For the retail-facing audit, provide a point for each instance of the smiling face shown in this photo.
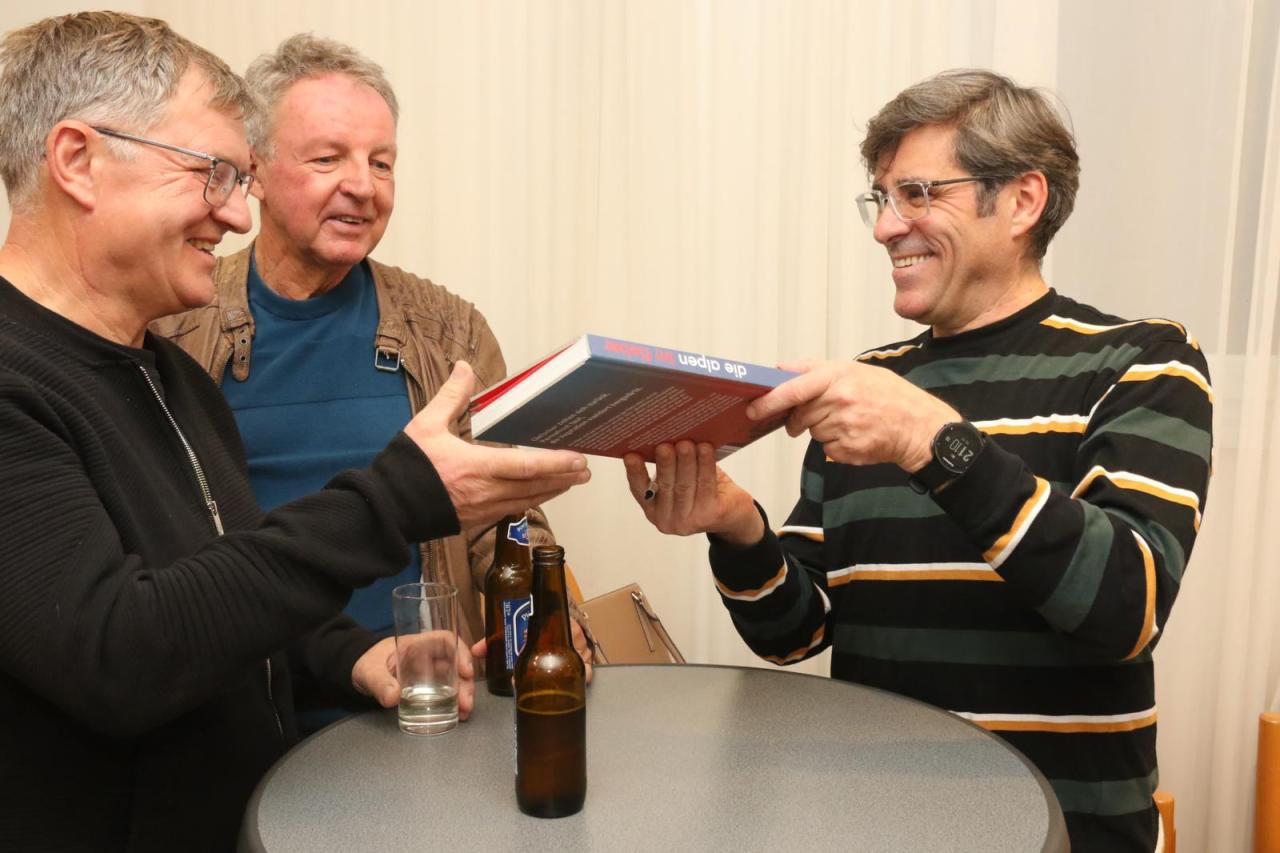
(328, 187)
(951, 266)
(153, 230)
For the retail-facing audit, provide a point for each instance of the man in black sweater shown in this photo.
(995, 515)
(146, 602)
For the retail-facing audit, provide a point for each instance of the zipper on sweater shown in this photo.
(272, 699)
(209, 503)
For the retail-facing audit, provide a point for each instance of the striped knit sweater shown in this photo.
(1028, 595)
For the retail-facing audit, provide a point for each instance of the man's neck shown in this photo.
(289, 275)
(50, 270)
(1000, 301)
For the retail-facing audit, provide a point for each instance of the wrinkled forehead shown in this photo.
(195, 118)
(924, 153)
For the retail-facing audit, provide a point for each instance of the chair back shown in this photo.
(1266, 809)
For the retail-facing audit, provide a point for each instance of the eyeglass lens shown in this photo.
(909, 201)
(223, 179)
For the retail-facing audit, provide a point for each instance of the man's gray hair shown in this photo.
(1003, 130)
(103, 68)
(300, 57)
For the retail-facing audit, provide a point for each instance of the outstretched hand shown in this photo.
(691, 494)
(487, 483)
(860, 414)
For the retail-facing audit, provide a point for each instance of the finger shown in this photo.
(466, 698)
(590, 671)
(531, 463)
(706, 476)
(664, 479)
(788, 395)
(466, 664)
(383, 687)
(452, 399)
(580, 643)
(480, 648)
(638, 479)
(806, 417)
(686, 486)
(803, 365)
(494, 510)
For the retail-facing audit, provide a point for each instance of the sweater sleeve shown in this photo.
(776, 590)
(1101, 558)
(124, 646)
(322, 662)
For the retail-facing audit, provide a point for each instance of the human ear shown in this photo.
(255, 169)
(74, 161)
(1029, 194)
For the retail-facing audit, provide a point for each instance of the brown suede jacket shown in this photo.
(422, 330)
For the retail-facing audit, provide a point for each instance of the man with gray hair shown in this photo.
(995, 515)
(146, 600)
(320, 350)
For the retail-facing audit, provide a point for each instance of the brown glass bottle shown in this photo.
(507, 602)
(551, 701)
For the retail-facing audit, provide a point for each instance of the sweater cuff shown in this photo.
(330, 654)
(746, 568)
(423, 509)
(992, 490)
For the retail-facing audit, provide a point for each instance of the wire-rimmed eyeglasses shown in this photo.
(909, 200)
(223, 175)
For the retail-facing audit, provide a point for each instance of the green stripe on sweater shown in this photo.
(1009, 368)
(990, 648)
(1112, 797)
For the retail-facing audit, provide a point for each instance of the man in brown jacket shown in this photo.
(329, 351)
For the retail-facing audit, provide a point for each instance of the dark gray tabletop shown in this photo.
(678, 758)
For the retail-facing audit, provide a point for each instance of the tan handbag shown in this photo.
(622, 627)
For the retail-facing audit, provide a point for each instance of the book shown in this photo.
(610, 397)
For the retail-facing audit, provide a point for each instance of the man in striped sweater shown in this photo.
(995, 516)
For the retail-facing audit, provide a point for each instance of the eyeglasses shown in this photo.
(909, 200)
(223, 175)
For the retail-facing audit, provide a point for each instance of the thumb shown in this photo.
(453, 397)
(383, 686)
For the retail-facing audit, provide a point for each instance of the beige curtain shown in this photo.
(681, 172)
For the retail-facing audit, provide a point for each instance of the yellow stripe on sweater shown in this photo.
(1064, 723)
(913, 572)
(1003, 547)
(1037, 424)
(1083, 328)
(757, 593)
(799, 654)
(1146, 485)
(1149, 611)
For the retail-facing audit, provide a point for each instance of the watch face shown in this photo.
(956, 446)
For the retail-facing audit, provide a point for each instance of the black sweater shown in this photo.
(1028, 595)
(142, 688)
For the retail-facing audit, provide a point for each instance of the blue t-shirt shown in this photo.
(314, 404)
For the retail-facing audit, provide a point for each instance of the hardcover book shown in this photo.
(610, 397)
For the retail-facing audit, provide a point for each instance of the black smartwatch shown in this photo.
(955, 449)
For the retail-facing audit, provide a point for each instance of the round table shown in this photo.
(678, 757)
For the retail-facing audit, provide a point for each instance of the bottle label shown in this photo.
(515, 626)
(519, 532)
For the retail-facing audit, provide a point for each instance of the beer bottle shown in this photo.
(551, 701)
(507, 604)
